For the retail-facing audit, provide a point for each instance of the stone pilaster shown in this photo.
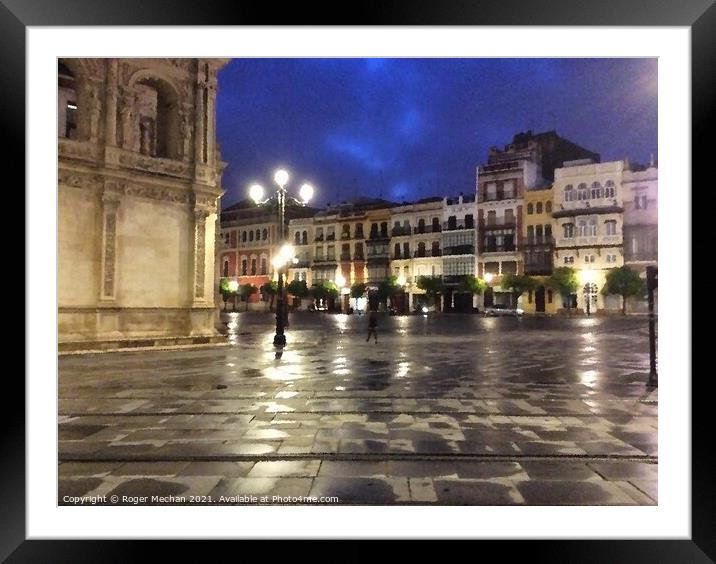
(111, 199)
(110, 121)
(199, 270)
(199, 123)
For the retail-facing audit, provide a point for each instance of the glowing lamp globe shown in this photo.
(256, 192)
(281, 177)
(306, 192)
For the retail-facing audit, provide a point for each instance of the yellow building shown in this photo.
(537, 248)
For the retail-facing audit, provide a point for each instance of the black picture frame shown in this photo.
(698, 15)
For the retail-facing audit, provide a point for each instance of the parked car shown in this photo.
(501, 310)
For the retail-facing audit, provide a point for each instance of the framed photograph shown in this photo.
(387, 278)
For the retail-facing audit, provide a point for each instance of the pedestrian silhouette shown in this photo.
(372, 327)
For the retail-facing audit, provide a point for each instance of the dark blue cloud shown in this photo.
(411, 128)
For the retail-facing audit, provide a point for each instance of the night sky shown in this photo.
(404, 129)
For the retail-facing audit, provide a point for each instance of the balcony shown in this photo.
(543, 267)
(497, 197)
(459, 250)
(345, 236)
(301, 264)
(345, 257)
(318, 238)
(457, 226)
(431, 253)
(539, 242)
(324, 260)
(375, 235)
(498, 249)
(400, 231)
(358, 256)
(331, 237)
(427, 229)
(500, 223)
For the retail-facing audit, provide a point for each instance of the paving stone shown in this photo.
(566, 492)
(473, 492)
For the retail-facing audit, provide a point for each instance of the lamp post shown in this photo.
(233, 288)
(285, 255)
(340, 283)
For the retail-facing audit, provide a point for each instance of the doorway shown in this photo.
(539, 299)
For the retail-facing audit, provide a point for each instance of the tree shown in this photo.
(388, 288)
(432, 286)
(472, 285)
(325, 290)
(625, 282)
(518, 284)
(564, 281)
(226, 291)
(357, 290)
(298, 288)
(268, 292)
(246, 291)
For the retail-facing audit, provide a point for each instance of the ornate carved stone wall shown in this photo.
(138, 185)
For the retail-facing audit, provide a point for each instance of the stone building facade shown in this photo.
(588, 228)
(139, 177)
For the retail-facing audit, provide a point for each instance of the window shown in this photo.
(452, 222)
(227, 239)
(596, 190)
(406, 250)
(297, 238)
(530, 209)
(264, 269)
(331, 253)
(304, 238)
(435, 248)
(359, 251)
(611, 227)
(421, 226)
(509, 267)
(609, 189)
(548, 207)
(359, 231)
(384, 229)
(568, 193)
(592, 227)
(611, 259)
(508, 189)
(509, 216)
(396, 251)
(491, 191)
(253, 266)
(538, 233)
(469, 221)
(421, 249)
(264, 234)
(568, 230)
(226, 269)
(492, 268)
(244, 267)
(588, 259)
(436, 224)
(538, 207)
(71, 119)
(258, 234)
(581, 228)
(582, 192)
(548, 232)
(319, 253)
(492, 218)
(568, 260)
(251, 235)
(530, 234)
(243, 236)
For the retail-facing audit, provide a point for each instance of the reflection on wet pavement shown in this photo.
(437, 412)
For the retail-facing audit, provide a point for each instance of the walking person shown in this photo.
(372, 327)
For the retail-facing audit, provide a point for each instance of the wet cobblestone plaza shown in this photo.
(445, 409)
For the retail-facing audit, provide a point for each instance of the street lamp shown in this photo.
(286, 253)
